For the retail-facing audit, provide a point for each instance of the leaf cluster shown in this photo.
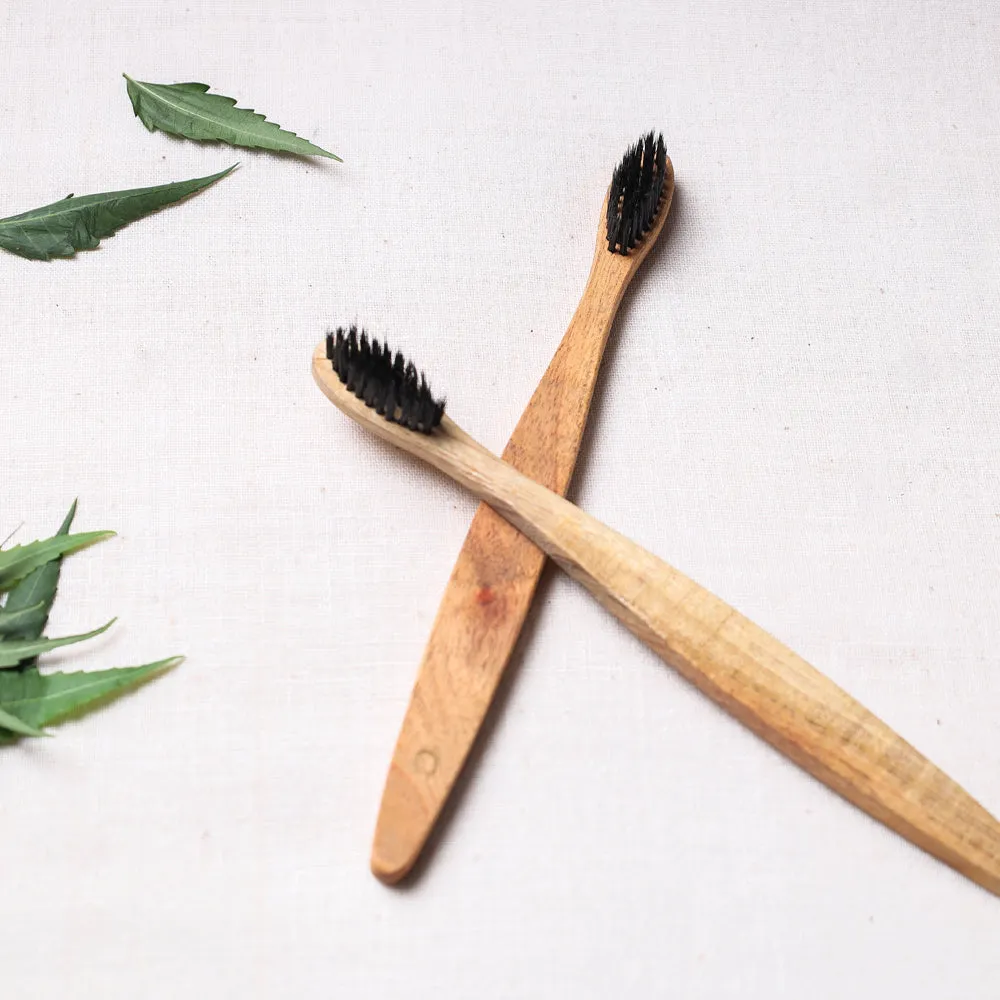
(29, 699)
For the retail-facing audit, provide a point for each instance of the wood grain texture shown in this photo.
(749, 673)
(494, 579)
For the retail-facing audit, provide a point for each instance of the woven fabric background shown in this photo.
(798, 409)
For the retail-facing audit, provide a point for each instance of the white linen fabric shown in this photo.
(798, 409)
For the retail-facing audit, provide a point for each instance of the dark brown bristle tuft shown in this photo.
(636, 193)
(390, 386)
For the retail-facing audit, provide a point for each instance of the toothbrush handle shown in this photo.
(490, 590)
(764, 685)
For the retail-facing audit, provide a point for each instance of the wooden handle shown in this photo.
(494, 579)
(749, 673)
(755, 678)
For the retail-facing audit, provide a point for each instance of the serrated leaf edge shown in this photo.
(144, 85)
(68, 545)
(25, 648)
(140, 675)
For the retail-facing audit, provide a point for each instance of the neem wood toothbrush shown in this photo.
(750, 674)
(494, 579)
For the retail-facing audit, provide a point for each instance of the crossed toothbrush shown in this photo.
(524, 517)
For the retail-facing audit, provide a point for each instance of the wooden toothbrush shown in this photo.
(746, 671)
(494, 579)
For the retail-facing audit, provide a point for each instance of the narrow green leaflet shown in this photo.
(15, 725)
(37, 700)
(13, 652)
(62, 228)
(15, 623)
(32, 598)
(18, 562)
(187, 109)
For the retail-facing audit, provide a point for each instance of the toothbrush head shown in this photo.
(636, 194)
(390, 385)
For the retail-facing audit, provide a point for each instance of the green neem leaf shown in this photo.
(15, 623)
(62, 228)
(32, 598)
(18, 562)
(12, 653)
(38, 700)
(186, 109)
(15, 725)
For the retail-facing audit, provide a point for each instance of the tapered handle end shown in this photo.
(404, 823)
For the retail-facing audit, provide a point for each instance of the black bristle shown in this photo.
(636, 193)
(389, 385)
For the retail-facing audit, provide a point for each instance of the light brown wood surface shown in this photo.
(750, 674)
(494, 579)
